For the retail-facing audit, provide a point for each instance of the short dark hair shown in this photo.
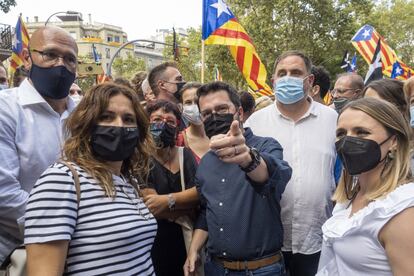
(124, 82)
(322, 79)
(247, 101)
(357, 82)
(166, 106)
(216, 86)
(391, 91)
(156, 74)
(306, 59)
(136, 83)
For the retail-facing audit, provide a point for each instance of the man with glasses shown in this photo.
(240, 182)
(306, 131)
(348, 87)
(31, 120)
(166, 82)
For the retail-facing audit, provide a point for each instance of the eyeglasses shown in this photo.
(161, 120)
(51, 57)
(342, 91)
(220, 109)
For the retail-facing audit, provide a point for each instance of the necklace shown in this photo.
(137, 200)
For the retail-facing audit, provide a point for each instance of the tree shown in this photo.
(128, 67)
(6, 4)
(320, 28)
(394, 20)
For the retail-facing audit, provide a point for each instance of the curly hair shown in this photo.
(83, 120)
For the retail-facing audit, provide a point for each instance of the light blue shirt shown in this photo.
(31, 137)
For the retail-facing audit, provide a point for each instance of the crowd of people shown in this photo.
(158, 176)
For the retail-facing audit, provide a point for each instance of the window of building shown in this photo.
(109, 38)
(117, 39)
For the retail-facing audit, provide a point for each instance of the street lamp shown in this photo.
(65, 12)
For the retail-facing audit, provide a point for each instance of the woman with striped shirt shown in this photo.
(108, 230)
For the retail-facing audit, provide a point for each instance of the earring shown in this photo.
(391, 155)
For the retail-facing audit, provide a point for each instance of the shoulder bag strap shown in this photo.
(75, 176)
(181, 160)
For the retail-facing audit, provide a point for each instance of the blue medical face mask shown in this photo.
(3, 86)
(412, 116)
(289, 90)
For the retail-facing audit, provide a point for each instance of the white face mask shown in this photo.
(3, 86)
(192, 114)
(76, 98)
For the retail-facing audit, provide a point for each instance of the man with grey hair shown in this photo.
(31, 119)
(306, 131)
(348, 87)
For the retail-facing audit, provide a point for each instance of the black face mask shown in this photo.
(114, 143)
(358, 154)
(164, 135)
(340, 103)
(218, 124)
(52, 82)
(178, 94)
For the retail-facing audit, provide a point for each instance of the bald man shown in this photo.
(31, 120)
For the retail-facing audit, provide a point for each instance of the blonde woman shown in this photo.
(371, 230)
(109, 230)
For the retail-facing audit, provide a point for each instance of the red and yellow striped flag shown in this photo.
(20, 42)
(220, 26)
(366, 40)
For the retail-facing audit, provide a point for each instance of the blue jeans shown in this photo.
(214, 268)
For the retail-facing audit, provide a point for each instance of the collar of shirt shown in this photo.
(30, 96)
(312, 111)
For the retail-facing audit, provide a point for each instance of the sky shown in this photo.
(139, 18)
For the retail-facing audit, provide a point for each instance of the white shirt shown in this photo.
(351, 245)
(30, 140)
(107, 236)
(309, 148)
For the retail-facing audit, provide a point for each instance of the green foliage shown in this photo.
(6, 4)
(394, 20)
(128, 67)
(86, 82)
(322, 29)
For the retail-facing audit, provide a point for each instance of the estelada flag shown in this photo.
(366, 40)
(220, 26)
(20, 42)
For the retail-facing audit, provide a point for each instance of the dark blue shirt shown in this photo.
(242, 217)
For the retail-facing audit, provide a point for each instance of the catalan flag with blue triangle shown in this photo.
(220, 26)
(366, 40)
(397, 70)
(20, 42)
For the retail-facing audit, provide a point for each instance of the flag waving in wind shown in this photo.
(20, 42)
(220, 26)
(375, 68)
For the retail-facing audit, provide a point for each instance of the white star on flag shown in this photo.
(366, 33)
(398, 71)
(221, 7)
(353, 67)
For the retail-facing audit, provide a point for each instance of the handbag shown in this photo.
(185, 221)
(18, 258)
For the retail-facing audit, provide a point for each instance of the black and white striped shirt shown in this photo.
(110, 236)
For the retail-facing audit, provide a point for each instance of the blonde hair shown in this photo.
(79, 127)
(396, 170)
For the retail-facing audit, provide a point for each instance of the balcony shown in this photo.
(5, 41)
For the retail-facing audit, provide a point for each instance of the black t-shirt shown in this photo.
(168, 252)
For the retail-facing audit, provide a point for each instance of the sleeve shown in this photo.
(279, 170)
(12, 197)
(51, 211)
(201, 222)
(190, 168)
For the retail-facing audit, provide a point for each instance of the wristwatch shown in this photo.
(171, 202)
(255, 155)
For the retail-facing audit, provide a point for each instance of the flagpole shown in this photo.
(202, 61)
